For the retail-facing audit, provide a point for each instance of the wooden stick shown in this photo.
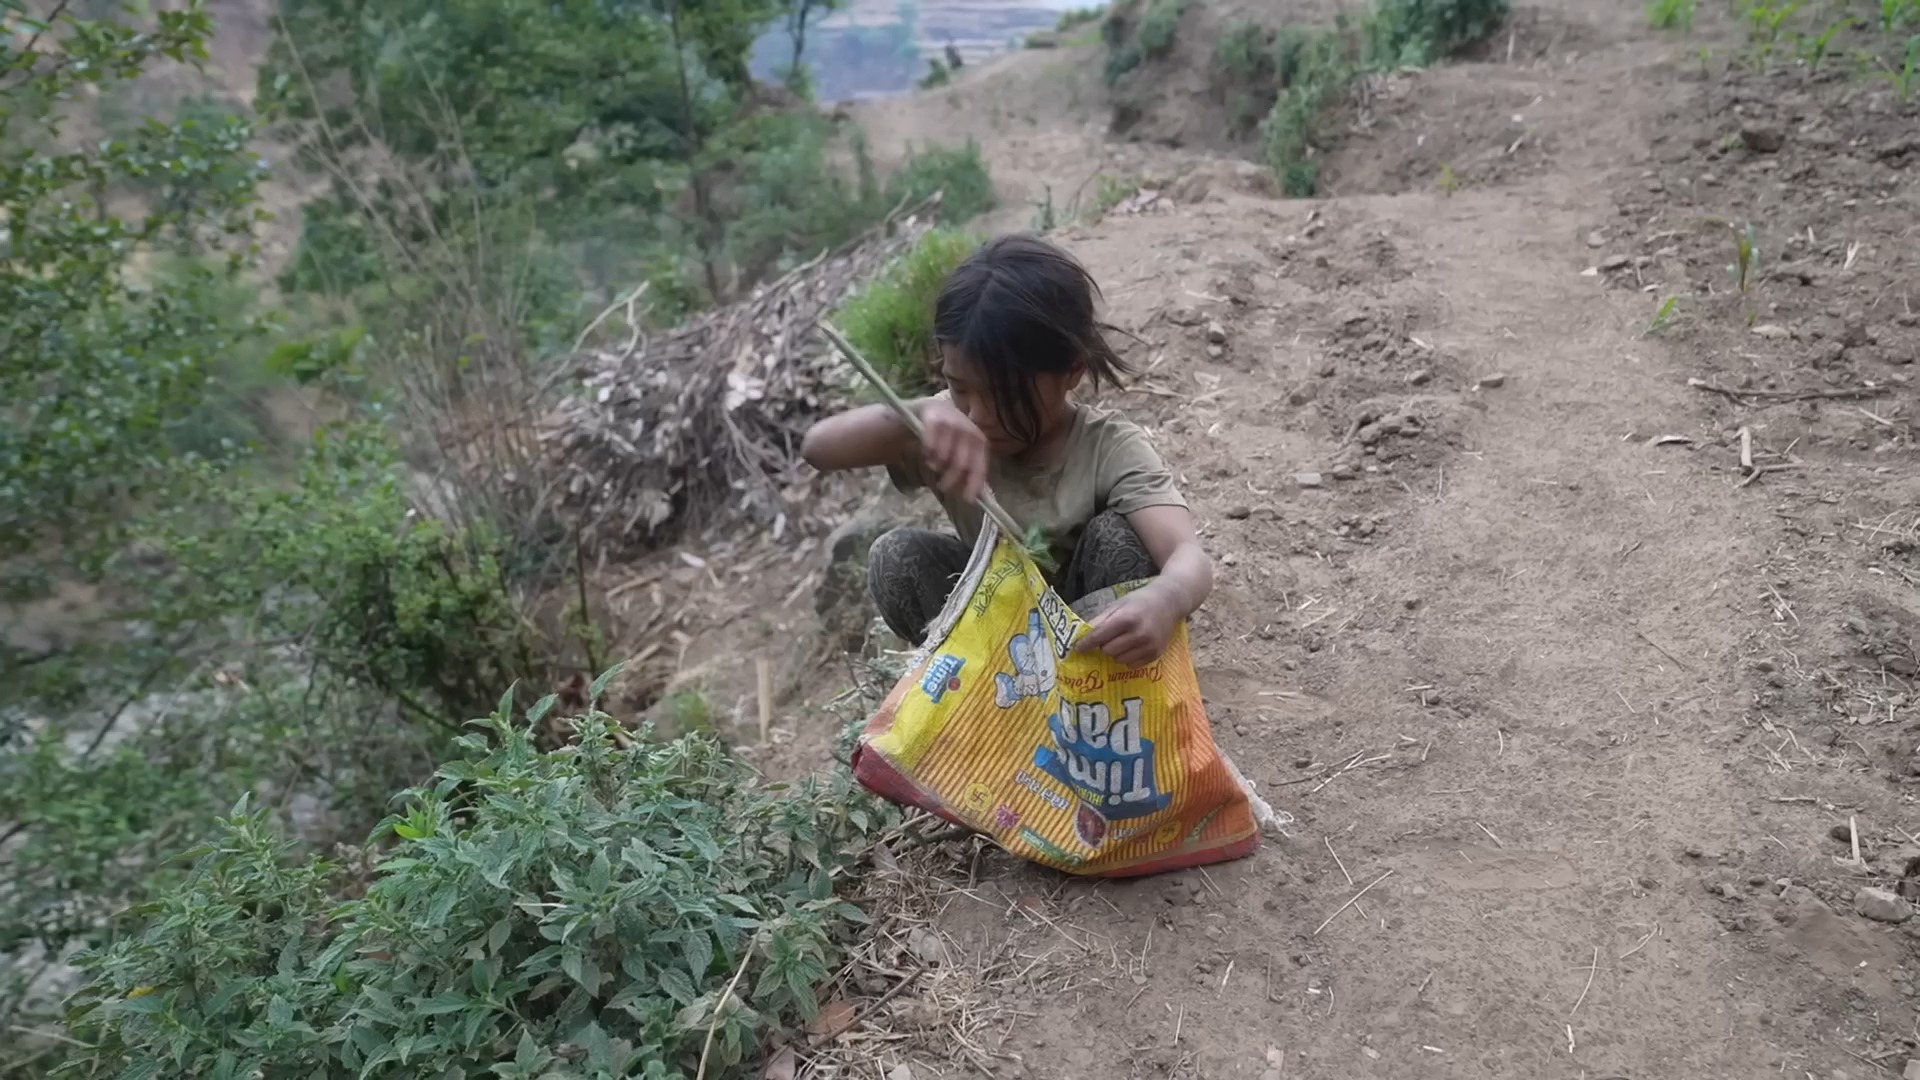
(719, 1009)
(1853, 835)
(765, 672)
(1848, 394)
(1746, 450)
(907, 416)
(1354, 899)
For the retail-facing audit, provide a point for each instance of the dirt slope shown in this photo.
(1578, 705)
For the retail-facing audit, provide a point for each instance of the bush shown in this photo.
(1420, 32)
(1074, 18)
(958, 173)
(1158, 27)
(1322, 67)
(891, 320)
(588, 911)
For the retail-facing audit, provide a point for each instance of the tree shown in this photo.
(98, 367)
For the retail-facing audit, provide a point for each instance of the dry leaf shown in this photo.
(782, 1066)
(835, 1018)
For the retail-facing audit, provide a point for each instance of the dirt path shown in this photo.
(1500, 676)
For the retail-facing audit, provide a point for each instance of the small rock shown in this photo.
(1493, 382)
(1303, 394)
(1216, 334)
(1303, 763)
(1614, 262)
(1696, 853)
(1215, 352)
(1240, 730)
(1368, 434)
(1842, 833)
(1420, 378)
(927, 946)
(1763, 140)
(1410, 603)
(1239, 513)
(1881, 905)
(1323, 368)
(1771, 331)
(1727, 891)
(900, 1072)
(1912, 1071)
(1596, 238)
(1307, 479)
(1344, 472)
(1854, 332)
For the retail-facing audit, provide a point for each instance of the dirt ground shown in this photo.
(1590, 708)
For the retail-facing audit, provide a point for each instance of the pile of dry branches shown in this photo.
(663, 432)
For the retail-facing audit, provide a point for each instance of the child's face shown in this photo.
(967, 385)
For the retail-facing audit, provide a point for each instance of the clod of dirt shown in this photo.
(1491, 382)
(1239, 513)
(927, 946)
(1762, 139)
(1307, 479)
(1842, 833)
(1420, 378)
(1881, 905)
(1216, 334)
(1596, 239)
(1613, 263)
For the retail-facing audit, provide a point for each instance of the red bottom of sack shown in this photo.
(878, 775)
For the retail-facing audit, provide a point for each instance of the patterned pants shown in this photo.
(911, 572)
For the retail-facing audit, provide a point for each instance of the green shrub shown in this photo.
(588, 911)
(1078, 17)
(1242, 54)
(958, 173)
(891, 320)
(937, 75)
(1417, 33)
(1670, 14)
(1322, 68)
(1158, 27)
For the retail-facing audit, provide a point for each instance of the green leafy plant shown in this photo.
(890, 320)
(1897, 13)
(937, 75)
(1764, 23)
(1045, 218)
(1242, 52)
(1158, 27)
(622, 907)
(1663, 315)
(1110, 191)
(958, 173)
(1813, 47)
(1902, 77)
(1449, 181)
(1745, 256)
(1671, 14)
(1416, 33)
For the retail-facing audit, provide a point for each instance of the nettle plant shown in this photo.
(614, 908)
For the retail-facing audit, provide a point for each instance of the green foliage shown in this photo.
(1417, 33)
(937, 75)
(1813, 47)
(1074, 18)
(1663, 316)
(1132, 42)
(1324, 65)
(584, 909)
(98, 371)
(1903, 76)
(959, 174)
(891, 320)
(1746, 256)
(1764, 25)
(1242, 53)
(1671, 14)
(1895, 14)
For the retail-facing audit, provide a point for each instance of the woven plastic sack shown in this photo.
(1068, 759)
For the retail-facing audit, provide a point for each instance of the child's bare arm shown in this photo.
(864, 438)
(874, 435)
(1186, 571)
(1138, 629)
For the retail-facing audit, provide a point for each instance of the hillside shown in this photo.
(1587, 616)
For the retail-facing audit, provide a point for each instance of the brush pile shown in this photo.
(668, 433)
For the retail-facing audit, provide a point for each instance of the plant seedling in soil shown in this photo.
(1663, 318)
(1763, 30)
(1449, 182)
(1813, 49)
(1745, 254)
(1670, 14)
(1903, 77)
(1894, 13)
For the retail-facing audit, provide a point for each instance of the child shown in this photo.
(1016, 333)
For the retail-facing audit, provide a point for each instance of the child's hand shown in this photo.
(1135, 631)
(956, 451)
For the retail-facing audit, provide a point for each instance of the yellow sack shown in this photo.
(1068, 759)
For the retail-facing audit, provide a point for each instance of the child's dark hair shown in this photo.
(1021, 307)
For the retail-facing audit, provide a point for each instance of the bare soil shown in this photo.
(1581, 701)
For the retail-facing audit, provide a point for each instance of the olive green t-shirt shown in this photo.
(1107, 464)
